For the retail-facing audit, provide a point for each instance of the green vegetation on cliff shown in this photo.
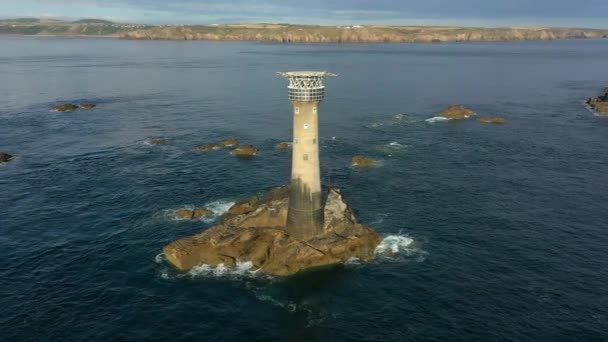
(85, 27)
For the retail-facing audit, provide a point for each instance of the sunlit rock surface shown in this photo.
(253, 230)
(457, 112)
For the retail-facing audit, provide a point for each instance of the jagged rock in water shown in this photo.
(87, 105)
(283, 146)
(230, 142)
(457, 112)
(68, 107)
(494, 120)
(157, 141)
(209, 147)
(185, 214)
(245, 151)
(600, 103)
(254, 230)
(362, 161)
(5, 157)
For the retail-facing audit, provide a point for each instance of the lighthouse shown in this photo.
(305, 213)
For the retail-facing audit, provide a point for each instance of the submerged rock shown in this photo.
(254, 231)
(457, 112)
(68, 107)
(600, 103)
(87, 105)
(157, 141)
(209, 147)
(494, 120)
(362, 161)
(283, 146)
(230, 142)
(185, 214)
(5, 157)
(245, 151)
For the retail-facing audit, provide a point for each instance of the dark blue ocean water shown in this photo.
(509, 222)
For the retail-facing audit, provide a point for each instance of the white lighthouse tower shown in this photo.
(305, 214)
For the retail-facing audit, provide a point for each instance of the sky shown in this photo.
(564, 13)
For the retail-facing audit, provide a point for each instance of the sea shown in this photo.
(496, 232)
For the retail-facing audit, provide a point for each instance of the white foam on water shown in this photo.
(399, 116)
(289, 306)
(242, 269)
(394, 244)
(399, 247)
(160, 258)
(353, 261)
(219, 208)
(437, 119)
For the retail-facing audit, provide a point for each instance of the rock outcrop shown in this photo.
(218, 146)
(253, 231)
(363, 161)
(156, 141)
(245, 151)
(600, 103)
(230, 142)
(67, 107)
(493, 120)
(87, 105)
(457, 112)
(209, 147)
(5, 157)
(283, 146)
(186, 214)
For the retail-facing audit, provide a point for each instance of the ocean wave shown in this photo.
(243, 269)
(436, 119)
(397, 246)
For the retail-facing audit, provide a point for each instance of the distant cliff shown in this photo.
(284, 33)
(357, 34)
(85, 27)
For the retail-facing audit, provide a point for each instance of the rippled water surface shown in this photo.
(501, 230)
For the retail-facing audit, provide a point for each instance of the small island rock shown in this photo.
(245, 151)
(600, 103)
(68, 107)
(258, 236)
(362, 161)
(493, 120)
(5, 157)
(209, 147)
(230, 142)
(157, 141)
(87, 105)
(185, 214)
(283, 146)
(457, 112)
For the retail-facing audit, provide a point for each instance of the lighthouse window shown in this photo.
(306, 126)
(297, 110)
(314, 141)
(305, 157)
(295, 141)
(314, 110)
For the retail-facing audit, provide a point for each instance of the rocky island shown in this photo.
(600, 103)
(253, 230)
(291, 229)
